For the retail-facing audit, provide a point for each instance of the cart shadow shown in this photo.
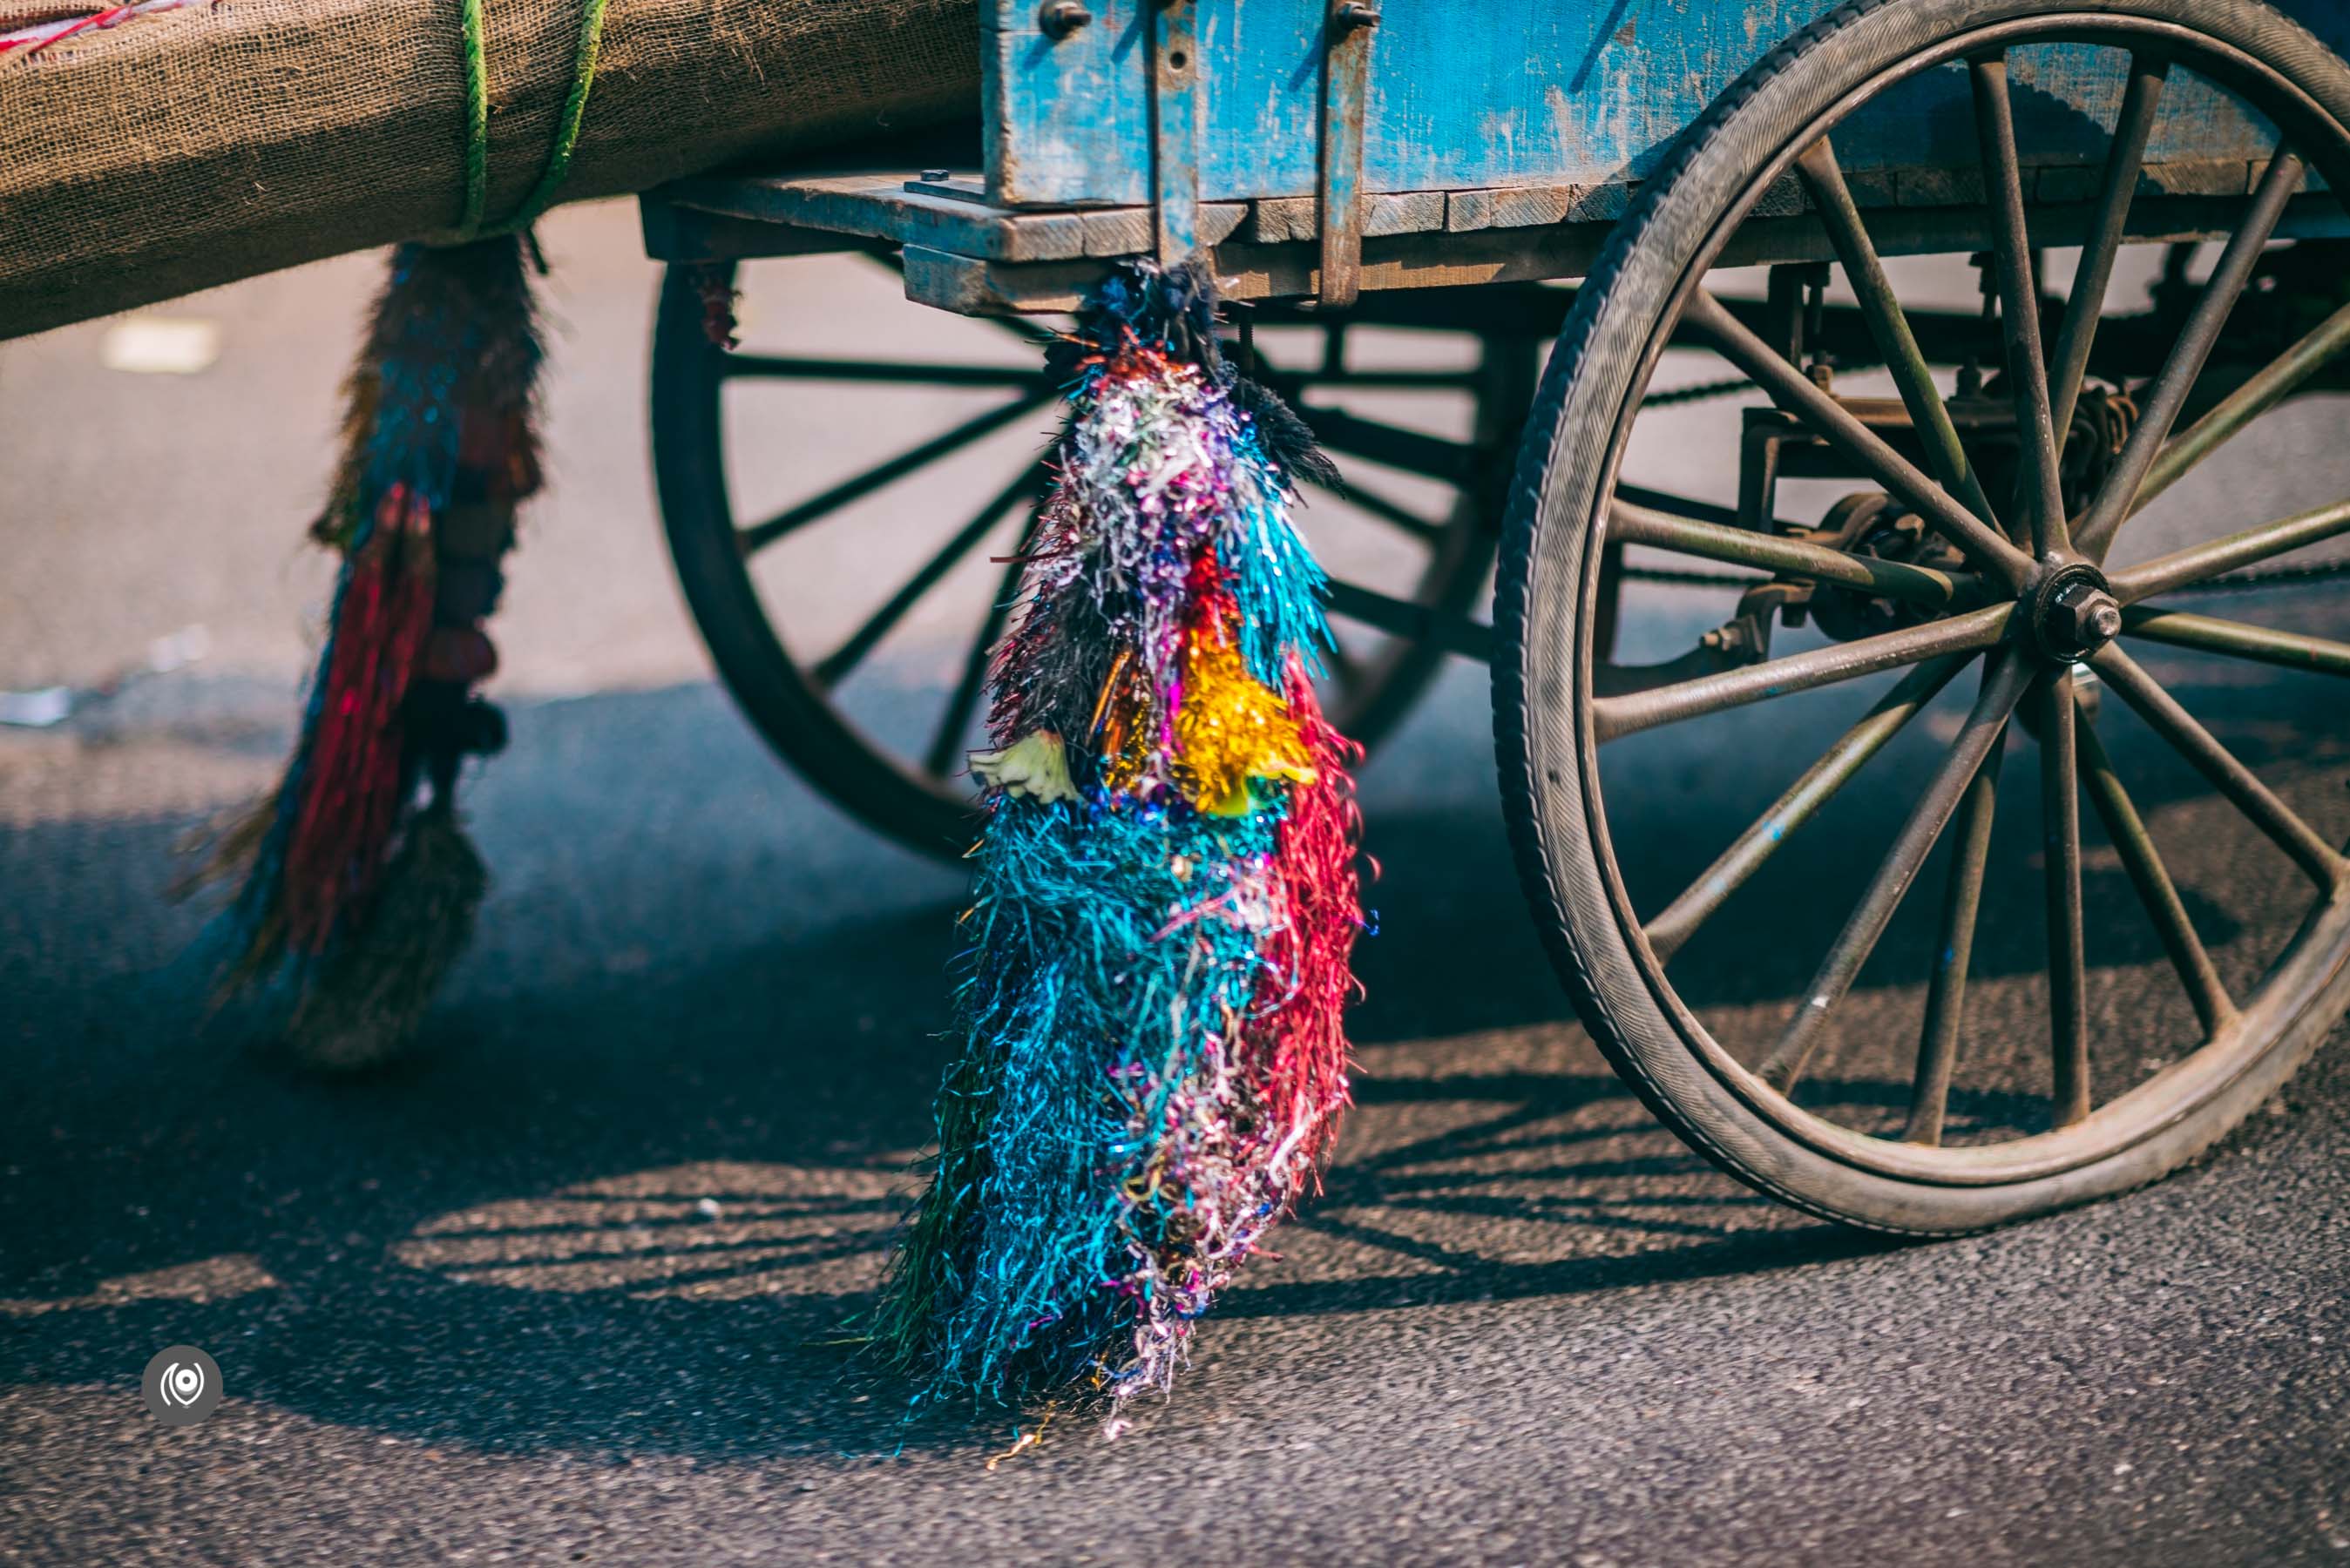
(645, 1264)
(633, 1207)
(635, 1192)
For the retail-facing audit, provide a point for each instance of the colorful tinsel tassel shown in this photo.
(356, 883)
(1167, 896)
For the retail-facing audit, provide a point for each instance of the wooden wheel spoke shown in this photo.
(1374, 504)
(946, 740)
(1938, 1036)
(1889, 326)
(1631, 525)
(2135, 845)
(1803, 800)
(1793, 391)
(760, 535)
(1389, 446)
(2086, 302)
(2019, 298)
(2068, 968)
(1614, 717)
(835, 666)
(2117, 496)
(2272, 385)
(890, 373)
(2003, 685)
(2214, 557)
(1453, 632)
(1346, 671)
(2216, 762)
(2235, 639)
(1022, 330)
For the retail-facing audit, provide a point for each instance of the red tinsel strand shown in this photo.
(1300, 1030)
(352, 798)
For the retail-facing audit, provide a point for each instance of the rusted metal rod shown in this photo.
(2265, 644)
(2213, 557)
(2160, 710)
(1791, 390)
(2085, 306)
(2003, 685)
(1632, 524)
(2019, 299)
(2060, 837)
(1678, 920)
(1889, 326)
(1946, 992)
(1614, 717)
(2117, 496)
(2135, 845)
(2273, 383)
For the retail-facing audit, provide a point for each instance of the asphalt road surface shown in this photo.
(563, 1288)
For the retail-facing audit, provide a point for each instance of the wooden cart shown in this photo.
(1918, 495)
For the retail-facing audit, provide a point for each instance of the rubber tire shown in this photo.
(1545, 589)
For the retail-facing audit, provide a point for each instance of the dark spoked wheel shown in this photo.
(2068, 1018)
(873, 690)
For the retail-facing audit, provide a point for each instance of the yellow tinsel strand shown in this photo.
(1231, 731)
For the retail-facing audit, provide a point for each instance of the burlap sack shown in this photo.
(190, 147)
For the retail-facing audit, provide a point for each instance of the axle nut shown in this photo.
(2083, 617)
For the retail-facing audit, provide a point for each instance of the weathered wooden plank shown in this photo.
(675, 233)
(940, 216)
(880, 206)
(1275, 219)
(1534, 206)
(1443, 259)
(1128, 230)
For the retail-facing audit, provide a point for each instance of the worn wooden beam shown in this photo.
(1446, 259)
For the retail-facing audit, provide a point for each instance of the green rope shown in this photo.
(477, 122)
(470, 225)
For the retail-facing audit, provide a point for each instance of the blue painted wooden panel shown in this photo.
(1512, 92)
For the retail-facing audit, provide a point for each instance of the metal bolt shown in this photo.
(933, 176)
(1059, 18)
(1355, 14)
(2085, 616)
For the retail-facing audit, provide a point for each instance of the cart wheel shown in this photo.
(1965, 1085)
(890, 748)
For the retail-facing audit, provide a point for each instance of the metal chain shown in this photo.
(2269, 577)
(1694, 579)
(2234, 582)
(1697, 393)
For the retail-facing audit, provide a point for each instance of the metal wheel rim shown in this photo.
(2319, 951)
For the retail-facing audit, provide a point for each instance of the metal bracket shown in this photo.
(1346, 29)
(1175, 127)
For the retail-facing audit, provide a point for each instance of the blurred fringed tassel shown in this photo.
(356, 882)
(1166, 899)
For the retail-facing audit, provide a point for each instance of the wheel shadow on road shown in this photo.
(636, 1204)
(642, 1210)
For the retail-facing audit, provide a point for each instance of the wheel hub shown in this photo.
(2071, 612)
